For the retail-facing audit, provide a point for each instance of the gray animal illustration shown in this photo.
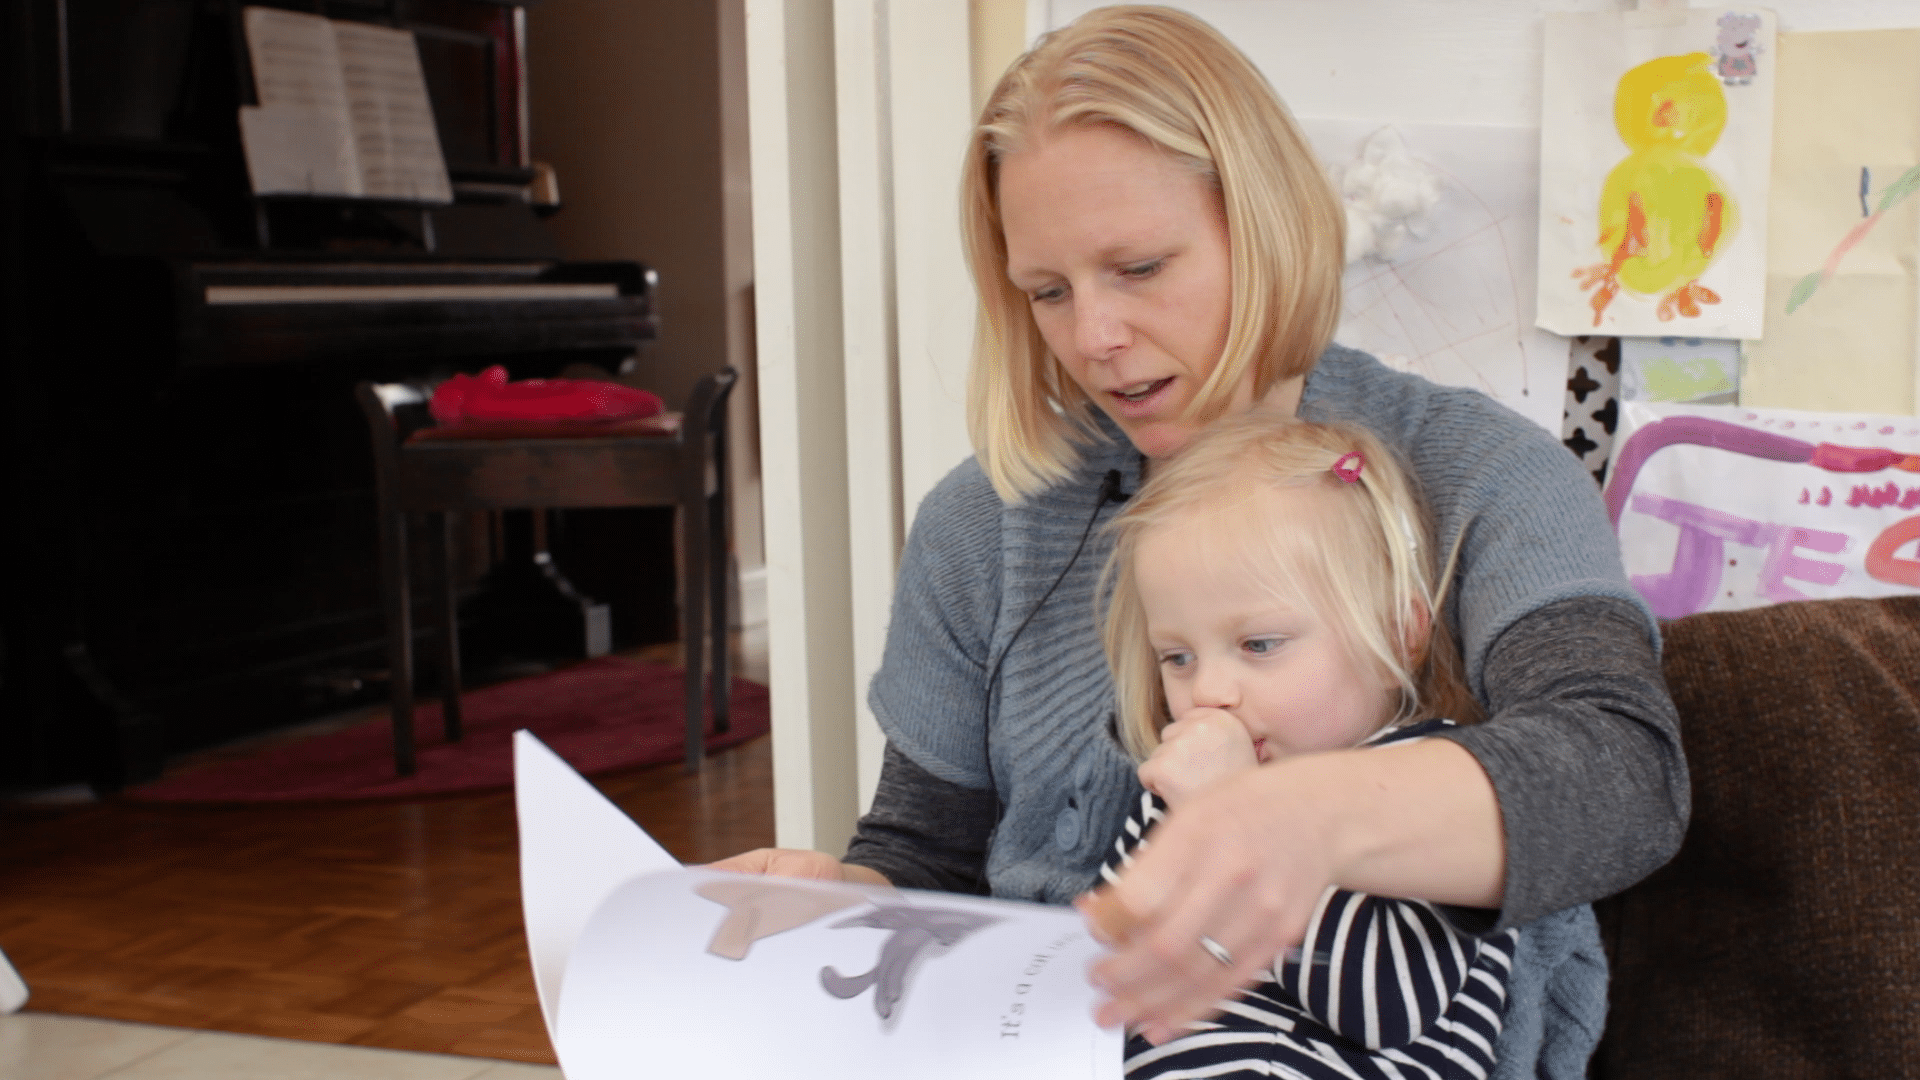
(919, 934)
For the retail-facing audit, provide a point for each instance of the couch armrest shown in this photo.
(1784, 938)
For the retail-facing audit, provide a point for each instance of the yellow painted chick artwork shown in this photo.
(1664, 216)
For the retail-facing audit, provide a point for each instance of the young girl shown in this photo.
(1274, 594)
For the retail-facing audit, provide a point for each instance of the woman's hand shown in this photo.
(1243, 864)
(1246, 863)
(797, 863)
(1196, 753)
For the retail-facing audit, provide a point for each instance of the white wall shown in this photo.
(1421, 61)
(666, 186)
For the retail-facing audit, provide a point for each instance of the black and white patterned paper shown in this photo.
(1593, 401)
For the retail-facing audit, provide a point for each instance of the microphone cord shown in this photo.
(1109, 492)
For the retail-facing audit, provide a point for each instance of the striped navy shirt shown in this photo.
(1383, 988)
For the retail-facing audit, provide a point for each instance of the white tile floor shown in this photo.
(35, 1046)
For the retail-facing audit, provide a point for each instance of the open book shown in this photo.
(343, 111)
(648, 968)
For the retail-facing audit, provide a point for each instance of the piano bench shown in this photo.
(444, 477)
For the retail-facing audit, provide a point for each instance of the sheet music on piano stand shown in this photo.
(343, 111)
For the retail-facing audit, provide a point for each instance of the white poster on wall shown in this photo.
(1453, 298)
(1721, 507)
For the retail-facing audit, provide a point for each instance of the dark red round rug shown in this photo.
(601, 715)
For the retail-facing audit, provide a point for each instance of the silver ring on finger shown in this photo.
(1216, 950)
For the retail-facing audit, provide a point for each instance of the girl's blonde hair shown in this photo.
(1175, 82)
(1364, 561)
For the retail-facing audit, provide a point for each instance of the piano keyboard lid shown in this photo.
(226, 284)
(224, 295)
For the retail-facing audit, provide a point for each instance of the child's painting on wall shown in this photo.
(1656, 147)
(1722, 507)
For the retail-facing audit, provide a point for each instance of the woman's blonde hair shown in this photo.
(1364, 560)
(1175, 82)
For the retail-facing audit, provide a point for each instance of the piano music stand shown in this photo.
(445, 477)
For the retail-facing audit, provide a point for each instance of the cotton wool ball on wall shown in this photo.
(1388, 193)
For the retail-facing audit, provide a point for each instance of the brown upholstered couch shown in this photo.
(1784, 940)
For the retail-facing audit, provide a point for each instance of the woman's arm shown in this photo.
(1585, 756)
(1581, 736)
(925, 831)
(1246, 863)
(921, 833)
(798, 863)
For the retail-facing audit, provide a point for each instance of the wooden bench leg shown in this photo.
(720, 576)
(446, 598)
(693, 609)
(394, 586)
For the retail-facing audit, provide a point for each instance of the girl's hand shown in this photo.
(797, 863)
(1196, 753)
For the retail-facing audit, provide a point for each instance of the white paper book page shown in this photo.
(297, 140)
(13, 992)
(393, 130)
(298, 150)
(717, 975)
(575, 849)
(295, 60)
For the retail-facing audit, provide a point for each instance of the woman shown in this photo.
(1155, 246)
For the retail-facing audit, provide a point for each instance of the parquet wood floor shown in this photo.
(391, 924)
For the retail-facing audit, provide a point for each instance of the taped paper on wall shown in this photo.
(1720, 508)
(1704, 371)
(1843, 295)
(1656, 145)
(1451, 297)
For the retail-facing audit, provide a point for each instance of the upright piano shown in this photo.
(190, 542)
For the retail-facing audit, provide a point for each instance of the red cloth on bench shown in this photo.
(488, 398)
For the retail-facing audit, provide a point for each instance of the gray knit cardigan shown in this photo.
(1031, 718)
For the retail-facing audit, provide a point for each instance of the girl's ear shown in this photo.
(1419, 635)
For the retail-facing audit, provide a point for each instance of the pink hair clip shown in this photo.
(1350, 473)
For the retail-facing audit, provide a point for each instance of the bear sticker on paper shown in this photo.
(1736, 53)
(1655, 150)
